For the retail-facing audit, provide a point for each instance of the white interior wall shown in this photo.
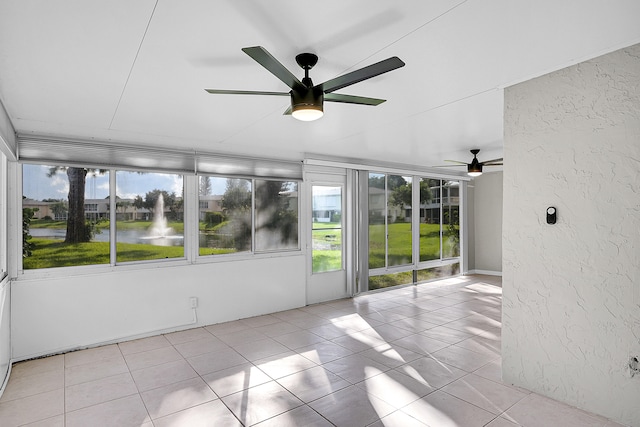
(64, 313)
(571, 307)
(487, 219)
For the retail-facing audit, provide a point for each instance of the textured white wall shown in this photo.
(488, 222)
(571, 309)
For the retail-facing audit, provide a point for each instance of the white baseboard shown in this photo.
(486, 272)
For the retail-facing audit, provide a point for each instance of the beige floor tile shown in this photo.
(124, 412)
(501, 422)
(398, 419)
(20, 386)
(91, 355)
(281, 365)
(462, 358)
(201, 416)
(143, 344)
(147, 359)
(187, 335)
(355, 368)
(38, 366)
(241, 337)
(351, 407)
(201, 346)
(176, 397)
(216, 361)
(302, 416)
(260, 349)
(313, 383)
(420, 344)
(535, 410)
(324, 352)
(257, 321)
(227, 328)
(99, 391)
(391, 356)
(484, 393)
(431, 372)
(260, 403)
(395, 388)
(235, 379)
(298, 339)
(33, 408)
(448, 335)
(279, 328)
(443, 410)
(57, 421)
(161, 375)
(93, 371)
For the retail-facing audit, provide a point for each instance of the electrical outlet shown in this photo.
(193, 301)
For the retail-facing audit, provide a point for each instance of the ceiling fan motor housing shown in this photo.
(310, 99)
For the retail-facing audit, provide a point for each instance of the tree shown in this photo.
(402, 195)
(205, 186)
(78, 228)
(237, 196)
(59, 209)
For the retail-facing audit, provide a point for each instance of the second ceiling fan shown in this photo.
(475, 167)
(306, 99)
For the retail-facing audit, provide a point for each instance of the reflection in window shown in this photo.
(276, 215)
(224, 215)
(149, 216)
(58, 230)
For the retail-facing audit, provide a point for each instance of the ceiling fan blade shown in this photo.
(264, 58)
(493, 161)
(457, 161)
(450, 166)
(288, 111)
(245, 92)
(351, 99)
(365, 73)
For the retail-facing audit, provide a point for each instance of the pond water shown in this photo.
(123, 236)
(133, 236)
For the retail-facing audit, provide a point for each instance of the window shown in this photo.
(276, 216)
(232, 215)
(149, 216)
(326, 231)
(430, 210)
(225, 215)
(57, 229)
(390, 235)
(451, 219)
(393, 225)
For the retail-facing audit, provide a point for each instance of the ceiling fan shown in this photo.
(306, 99)
(475, 167)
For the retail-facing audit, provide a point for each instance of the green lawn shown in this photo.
(400, 243)
(50, 253)
(325, 235)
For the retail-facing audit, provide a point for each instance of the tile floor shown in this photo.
(426, 355)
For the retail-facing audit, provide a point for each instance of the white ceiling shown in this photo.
(135, 71)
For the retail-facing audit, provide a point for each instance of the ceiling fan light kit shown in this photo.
(307, 100)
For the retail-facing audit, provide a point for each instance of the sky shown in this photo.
(38, 186)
